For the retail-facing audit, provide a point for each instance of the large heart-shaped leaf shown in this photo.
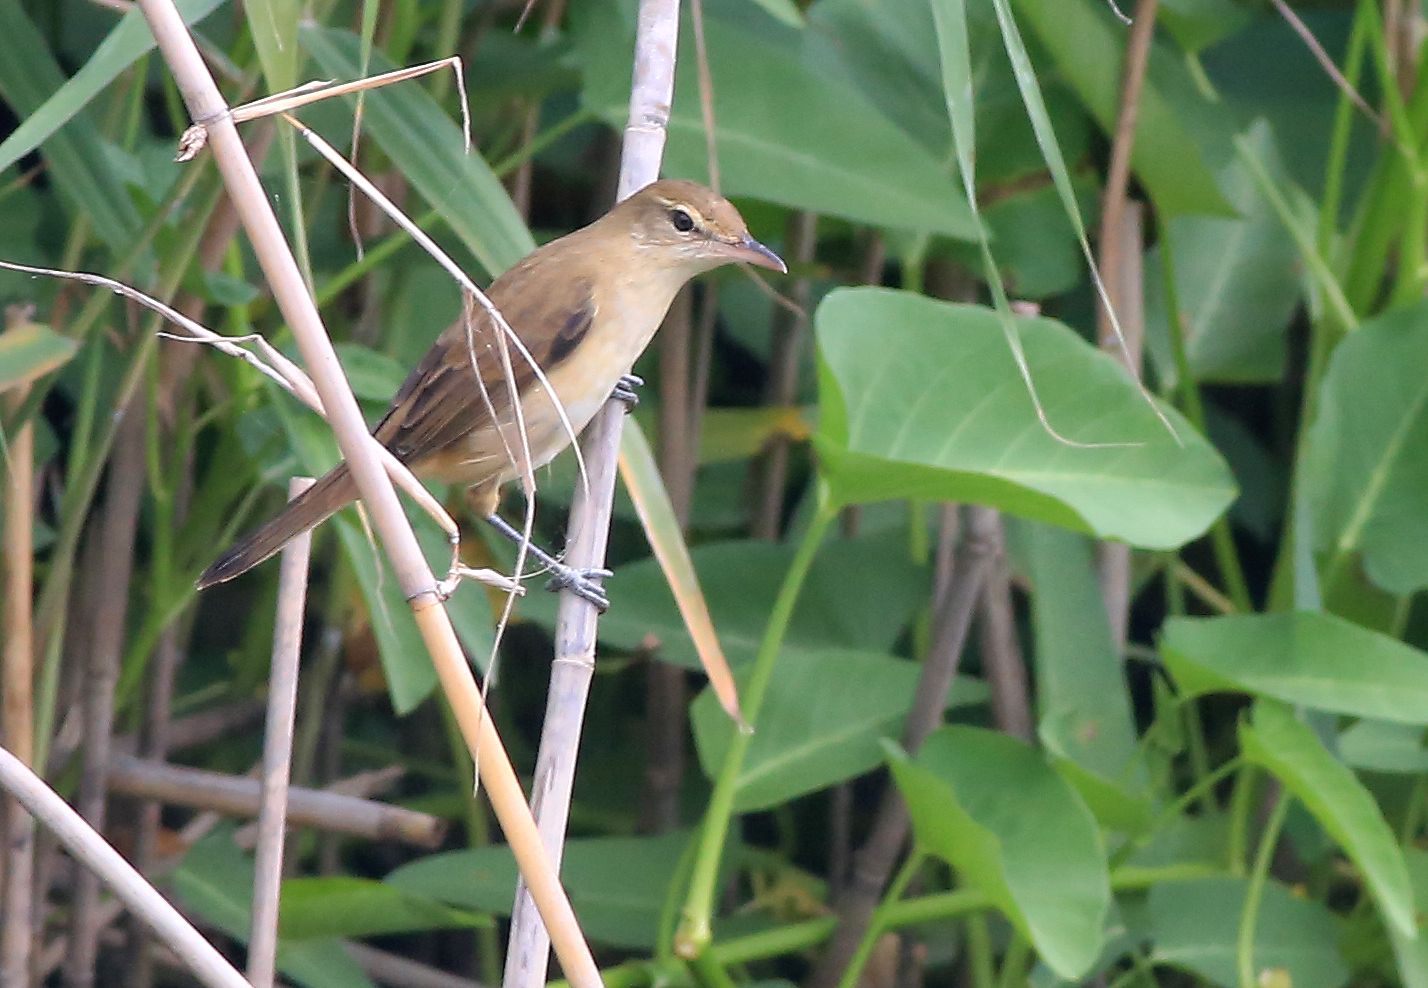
(821, 722)
(1016, 830)
(860, 594)
(819, 145)
(922, 399)
(1194, 926)
(1085, 715)
(1367, 476)
(1284, 745)
(1307, 658)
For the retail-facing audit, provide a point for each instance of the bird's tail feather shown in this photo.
(316, 504)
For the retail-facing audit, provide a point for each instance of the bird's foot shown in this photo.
(490, 577)
(627, 390)
(584, 583)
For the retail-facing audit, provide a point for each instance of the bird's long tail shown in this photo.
(324, 498)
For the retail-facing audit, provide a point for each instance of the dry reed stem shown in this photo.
(651, 93)
(18, 686)
(205, 105)
(277, 753)
(95, 854)
(117, 527)
(237, 795)
(873, 862)
(1120, 255)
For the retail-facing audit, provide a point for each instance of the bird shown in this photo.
(584, 306)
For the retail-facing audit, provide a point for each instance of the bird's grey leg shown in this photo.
(584, 583)
(627, 390)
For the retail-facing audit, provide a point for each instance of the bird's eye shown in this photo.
(682, 221)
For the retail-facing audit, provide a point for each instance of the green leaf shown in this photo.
(1382, 746)
(863, 168)
(274, 26)
(1198, 24)
(121, 47)
(1279, 742)
(1301, 658)
(1085, 715)
(1180, 136)
(860, 594)
(1411, 953)
(424, 143)
(1366, 476)
(343, 906)
(1194, 926)
(822, 721)
(215, 880)
(1016, 830)
(922, 399)
(29, 351)
(617, 885)
(373, 376)
(75, 155)
(1238, 281)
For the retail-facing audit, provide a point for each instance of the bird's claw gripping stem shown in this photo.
(581, 582)
(627, 390)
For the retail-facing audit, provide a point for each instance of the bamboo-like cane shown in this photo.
(206, 106)
(96, 855)
(277, 753)
(651, 93)
(18, 680)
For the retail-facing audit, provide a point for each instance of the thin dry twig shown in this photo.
(706, 92)
(205, 104)
(1120, 243)
(1297, 25)
(277, 753)
(789, 339)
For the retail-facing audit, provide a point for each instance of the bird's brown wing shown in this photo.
(441, 400)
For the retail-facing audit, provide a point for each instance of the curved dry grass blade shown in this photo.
(641, 475)
(1045, 134)
(282, 371)
(950, 23)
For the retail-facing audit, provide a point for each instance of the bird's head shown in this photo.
(694, 227)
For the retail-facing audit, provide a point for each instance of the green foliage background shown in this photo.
(1234, 796)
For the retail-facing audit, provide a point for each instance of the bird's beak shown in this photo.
(752, 252)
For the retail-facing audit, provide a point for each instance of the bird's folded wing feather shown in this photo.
(441, 400)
